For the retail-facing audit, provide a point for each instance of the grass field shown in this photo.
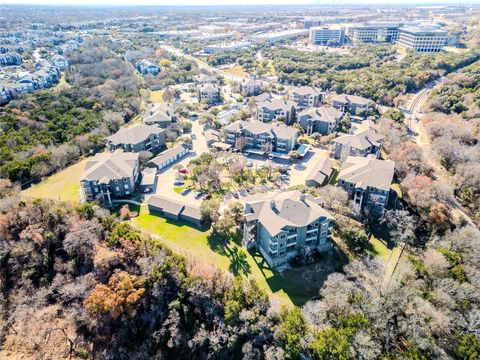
(292, 287)
(236, 71)
(63, 185)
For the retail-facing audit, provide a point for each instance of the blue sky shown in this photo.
(223, 2)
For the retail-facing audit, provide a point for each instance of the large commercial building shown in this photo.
(375, 33)
(323, 35)
(423, 40)
(286, 225)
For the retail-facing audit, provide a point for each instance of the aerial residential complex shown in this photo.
(266, 181)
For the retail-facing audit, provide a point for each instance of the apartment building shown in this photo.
(363, 144)
(147, 67)
(305, 96)
(423, 40)
(162, 115)
(137, 138)
(260, 138)
(367, 180)
(110, 176)
(286, 225)
(322, 120)
(250, 88)
(209, 93)
(324, 35)
(276, 110)
(353, 104)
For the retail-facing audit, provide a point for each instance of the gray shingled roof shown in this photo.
(167, 154)
(304, 90)
(277, 104)
(367, 171)
(134, 134)
(174, 206)
(159, 113)
(258, 127)
(362, 140)
(321, 171)
(322, 113)
(275, 211)
(110, 166)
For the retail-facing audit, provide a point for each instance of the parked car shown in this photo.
(147, 190)
(206, 197)
(185, 191)
(235, 195)
(250, 164)
(198, 194)
(193, 136)
(183, 171)
(178, 182)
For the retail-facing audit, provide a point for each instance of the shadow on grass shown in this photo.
(381, 232)
(231, 248)
(303, 283)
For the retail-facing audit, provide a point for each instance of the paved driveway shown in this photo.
(166, 177)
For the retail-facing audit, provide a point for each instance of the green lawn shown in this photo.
(178, 189)
(64, 185)
(292, 287)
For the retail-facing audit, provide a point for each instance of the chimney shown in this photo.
(302, 197)
(273, 204)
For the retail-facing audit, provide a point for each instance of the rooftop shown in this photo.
(367, 171)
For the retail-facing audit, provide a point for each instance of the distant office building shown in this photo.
(308, 23)
(375, 33)
(323, 35)
(423, 40)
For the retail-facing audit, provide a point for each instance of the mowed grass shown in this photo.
(285, 289)
(64, 185)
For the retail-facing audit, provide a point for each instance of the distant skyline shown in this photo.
(228, 2)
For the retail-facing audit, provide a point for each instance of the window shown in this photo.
(282, 253)
(282, 245)
(126, 186)
(117, 188)
(127, 192)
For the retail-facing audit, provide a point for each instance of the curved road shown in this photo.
(421, 139)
